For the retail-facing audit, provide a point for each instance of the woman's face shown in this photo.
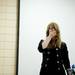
(52, 31)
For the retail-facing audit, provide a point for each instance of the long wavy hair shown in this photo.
(57, 41)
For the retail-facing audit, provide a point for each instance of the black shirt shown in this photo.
(55, 60)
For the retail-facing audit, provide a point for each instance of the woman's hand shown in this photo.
(52, 33)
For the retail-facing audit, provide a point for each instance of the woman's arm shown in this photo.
(66, 60)
(40, 46)
(43, 44)
(46, 42)
(48, 39)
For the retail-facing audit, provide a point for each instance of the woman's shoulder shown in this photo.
(42, 40)
(63, 44)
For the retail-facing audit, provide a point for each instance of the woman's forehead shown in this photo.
(52, 27)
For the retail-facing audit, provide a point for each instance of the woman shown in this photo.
(55, 54)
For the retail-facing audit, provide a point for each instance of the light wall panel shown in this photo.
(8, 36)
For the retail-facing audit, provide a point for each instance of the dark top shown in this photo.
(55, 60)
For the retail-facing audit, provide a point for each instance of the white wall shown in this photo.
(34, 18)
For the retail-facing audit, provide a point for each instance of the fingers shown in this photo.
(52, 33)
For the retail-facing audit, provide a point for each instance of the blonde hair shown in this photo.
(58, 41)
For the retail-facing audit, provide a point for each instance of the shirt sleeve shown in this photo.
(40, 46)
(65, 56)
